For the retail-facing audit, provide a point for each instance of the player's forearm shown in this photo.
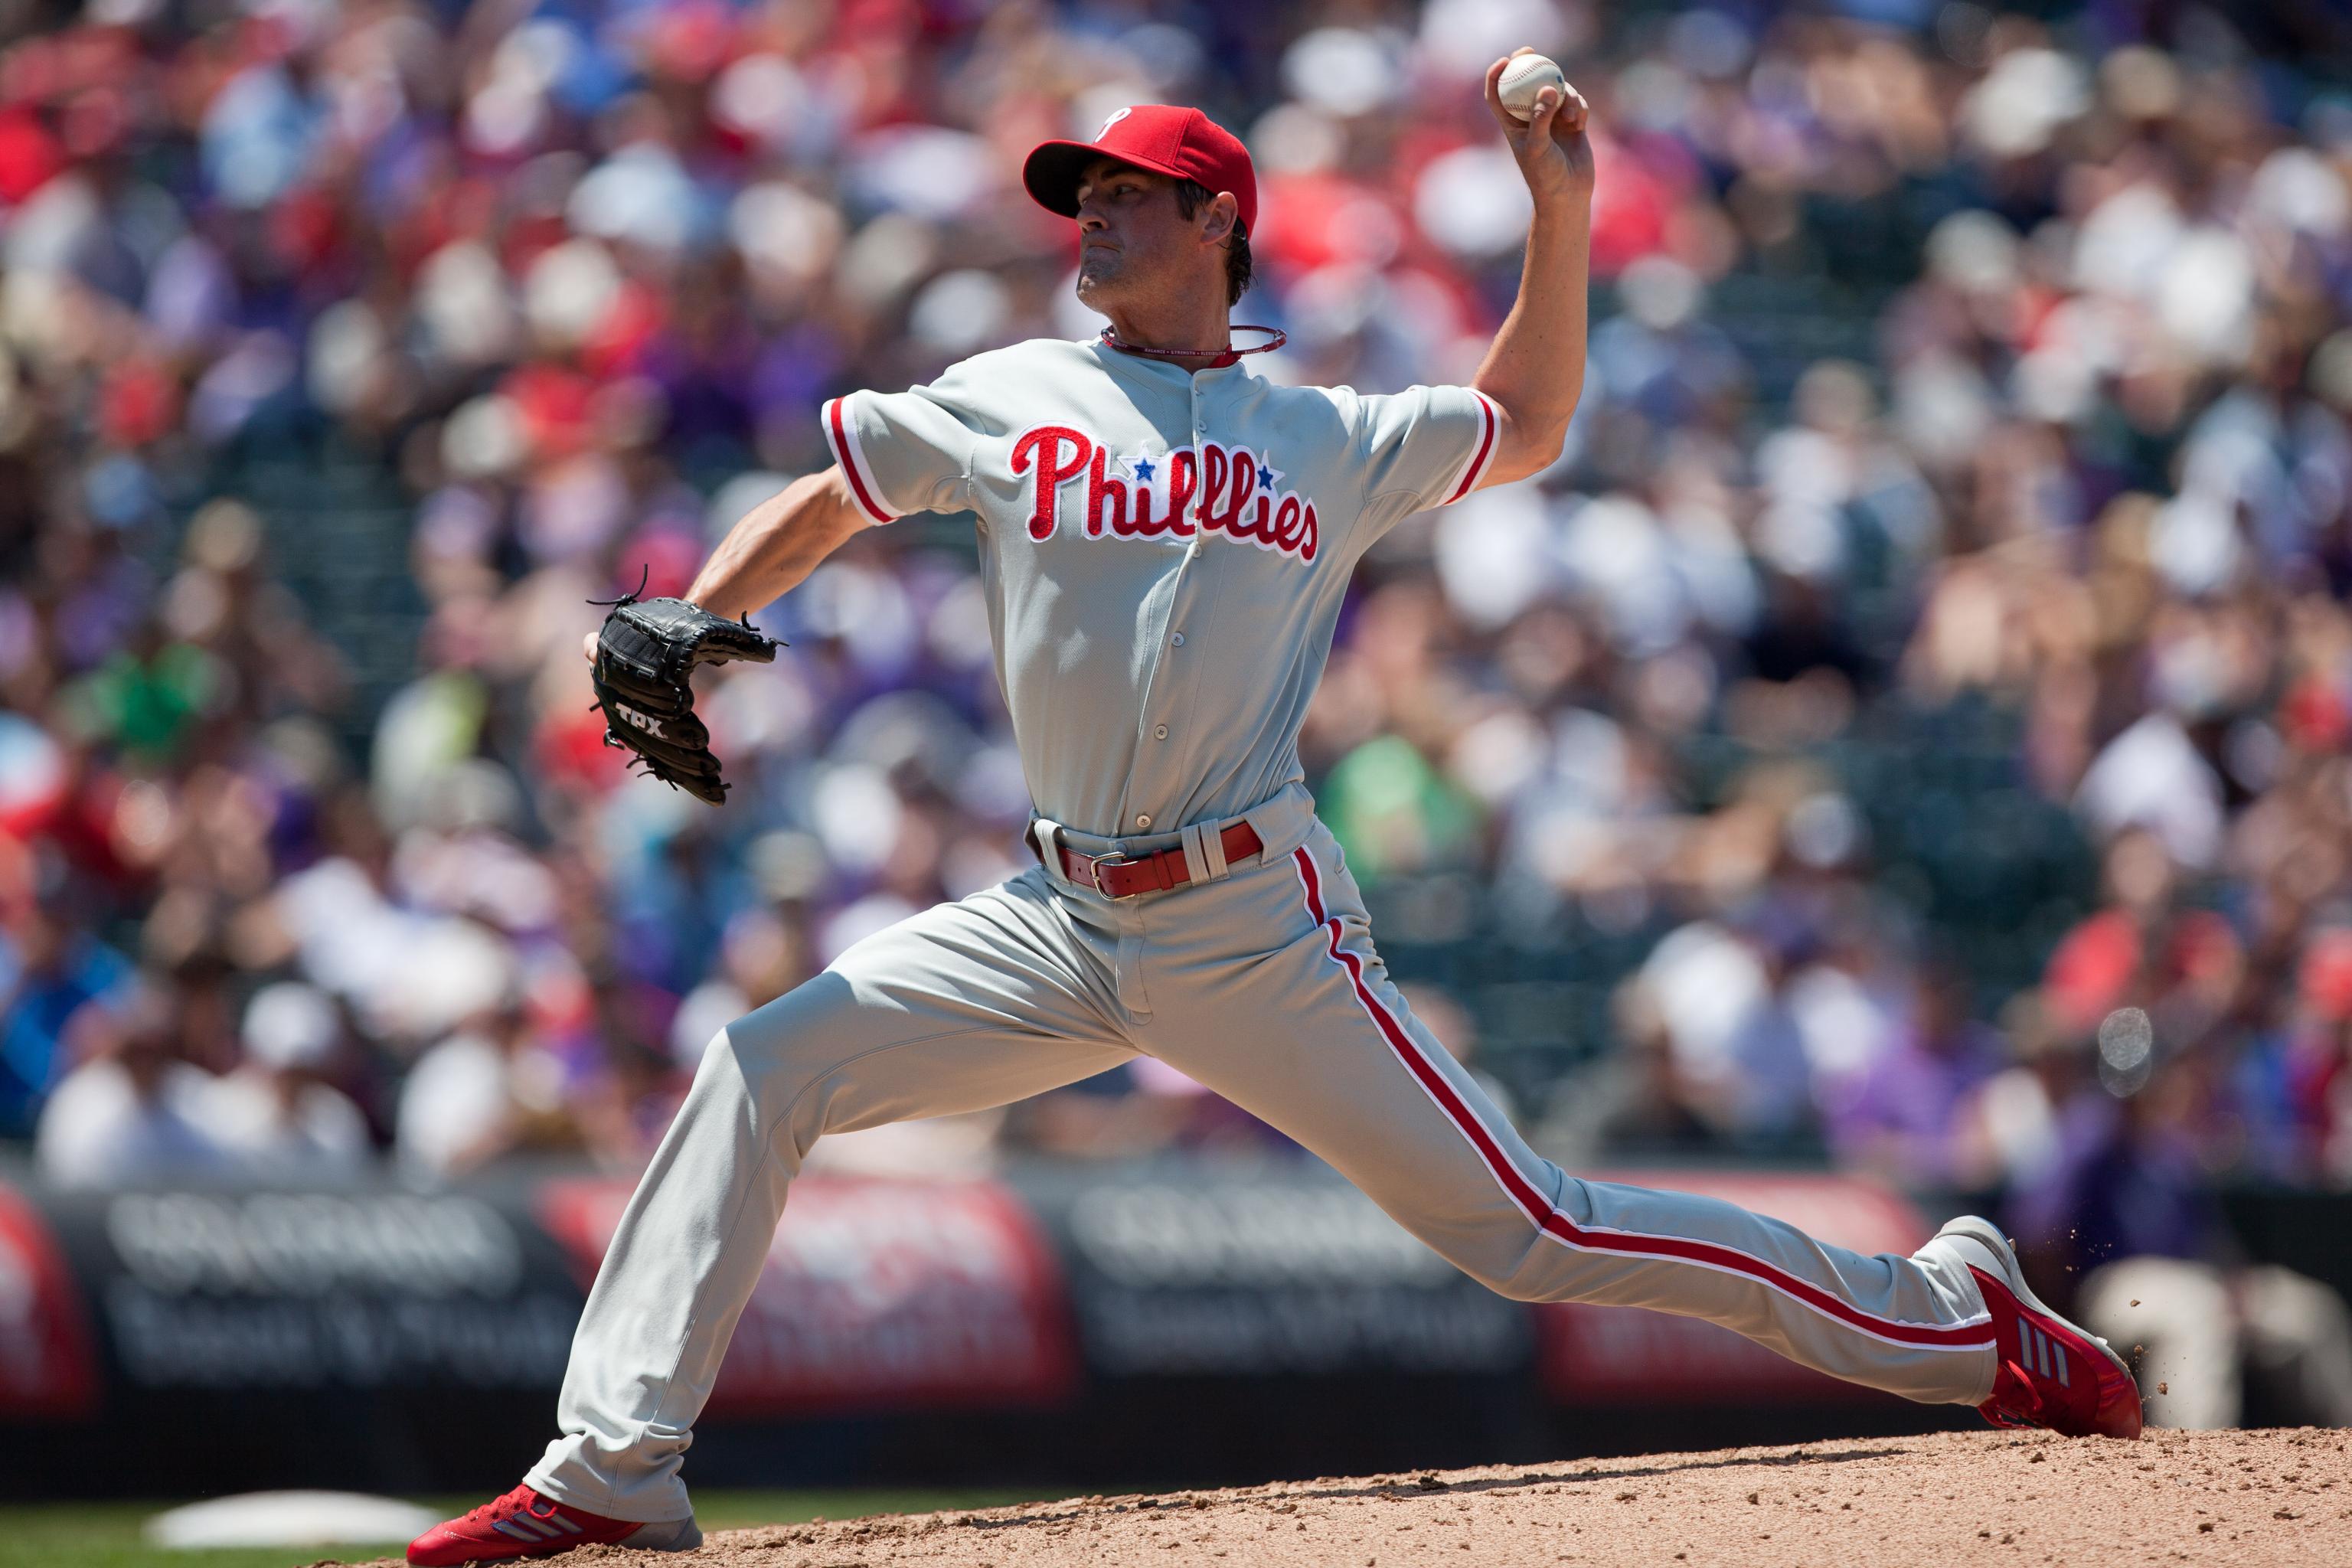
(1535, 369)
(776, 544)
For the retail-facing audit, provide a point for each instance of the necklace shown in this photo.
(1218, 358)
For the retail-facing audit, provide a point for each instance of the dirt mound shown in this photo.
(1942, 1501)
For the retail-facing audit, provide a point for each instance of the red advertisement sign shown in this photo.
(45, 1365)
(1611, 1355)
(877, 1294)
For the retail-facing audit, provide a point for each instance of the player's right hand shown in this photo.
(1554, 154)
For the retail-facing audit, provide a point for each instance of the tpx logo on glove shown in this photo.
(645, 721)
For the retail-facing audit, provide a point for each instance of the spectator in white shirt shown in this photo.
(132, 1113)
(278, 1110)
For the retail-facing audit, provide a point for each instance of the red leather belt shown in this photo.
(1124, 877)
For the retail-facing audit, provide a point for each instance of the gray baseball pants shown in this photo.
(1263, 986)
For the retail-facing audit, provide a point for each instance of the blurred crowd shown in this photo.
(571, 278)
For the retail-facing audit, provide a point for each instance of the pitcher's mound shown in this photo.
(1948, 1500)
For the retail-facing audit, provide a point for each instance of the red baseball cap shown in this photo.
(1165, 138)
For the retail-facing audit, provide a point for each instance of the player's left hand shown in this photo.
(1553, 152)
(645, 658)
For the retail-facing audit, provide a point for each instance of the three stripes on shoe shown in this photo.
(535, 1528)
(2041, 1352)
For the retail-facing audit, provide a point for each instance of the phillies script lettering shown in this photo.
(1211, 489)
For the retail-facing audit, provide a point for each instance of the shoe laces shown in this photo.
(2017, 1398)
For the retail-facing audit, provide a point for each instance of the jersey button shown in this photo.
(1160, 732)
(1177, 639)
(1144, 820)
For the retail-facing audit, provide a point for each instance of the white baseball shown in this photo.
(1525, 76)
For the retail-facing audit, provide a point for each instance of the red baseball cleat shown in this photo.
(524, 1524)
(2052, 1373)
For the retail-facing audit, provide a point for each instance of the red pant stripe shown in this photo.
(1974, 1334)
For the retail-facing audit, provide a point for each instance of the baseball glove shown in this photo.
(645, 656)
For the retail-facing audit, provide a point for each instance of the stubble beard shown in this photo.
(1099, 281)
(1112, 278)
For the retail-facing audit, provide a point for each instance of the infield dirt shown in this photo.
(1946, 1500)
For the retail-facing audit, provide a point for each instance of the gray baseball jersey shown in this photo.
(1165, 556)
(1164, 551)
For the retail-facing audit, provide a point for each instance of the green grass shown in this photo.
(106, 1535)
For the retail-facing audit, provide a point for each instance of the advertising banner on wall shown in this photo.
(281, 1290)
(1059, 1287)
(48, 1369)
(876, 1295)
(1194, 1271)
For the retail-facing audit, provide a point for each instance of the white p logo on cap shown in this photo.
(1116, 116)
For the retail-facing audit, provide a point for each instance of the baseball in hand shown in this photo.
(1525, 76)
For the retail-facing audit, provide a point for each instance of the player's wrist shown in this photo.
(1563, 210)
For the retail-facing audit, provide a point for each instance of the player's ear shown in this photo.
(1220, 217)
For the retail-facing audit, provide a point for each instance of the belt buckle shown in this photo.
(1094, 865)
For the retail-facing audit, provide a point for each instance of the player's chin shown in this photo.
(1099, 283)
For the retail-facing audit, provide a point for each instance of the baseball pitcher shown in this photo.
(1165, 540)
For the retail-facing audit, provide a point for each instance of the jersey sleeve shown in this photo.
(1426, 447)
(905, 451)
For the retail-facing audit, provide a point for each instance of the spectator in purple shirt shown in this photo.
(1901, 1116)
